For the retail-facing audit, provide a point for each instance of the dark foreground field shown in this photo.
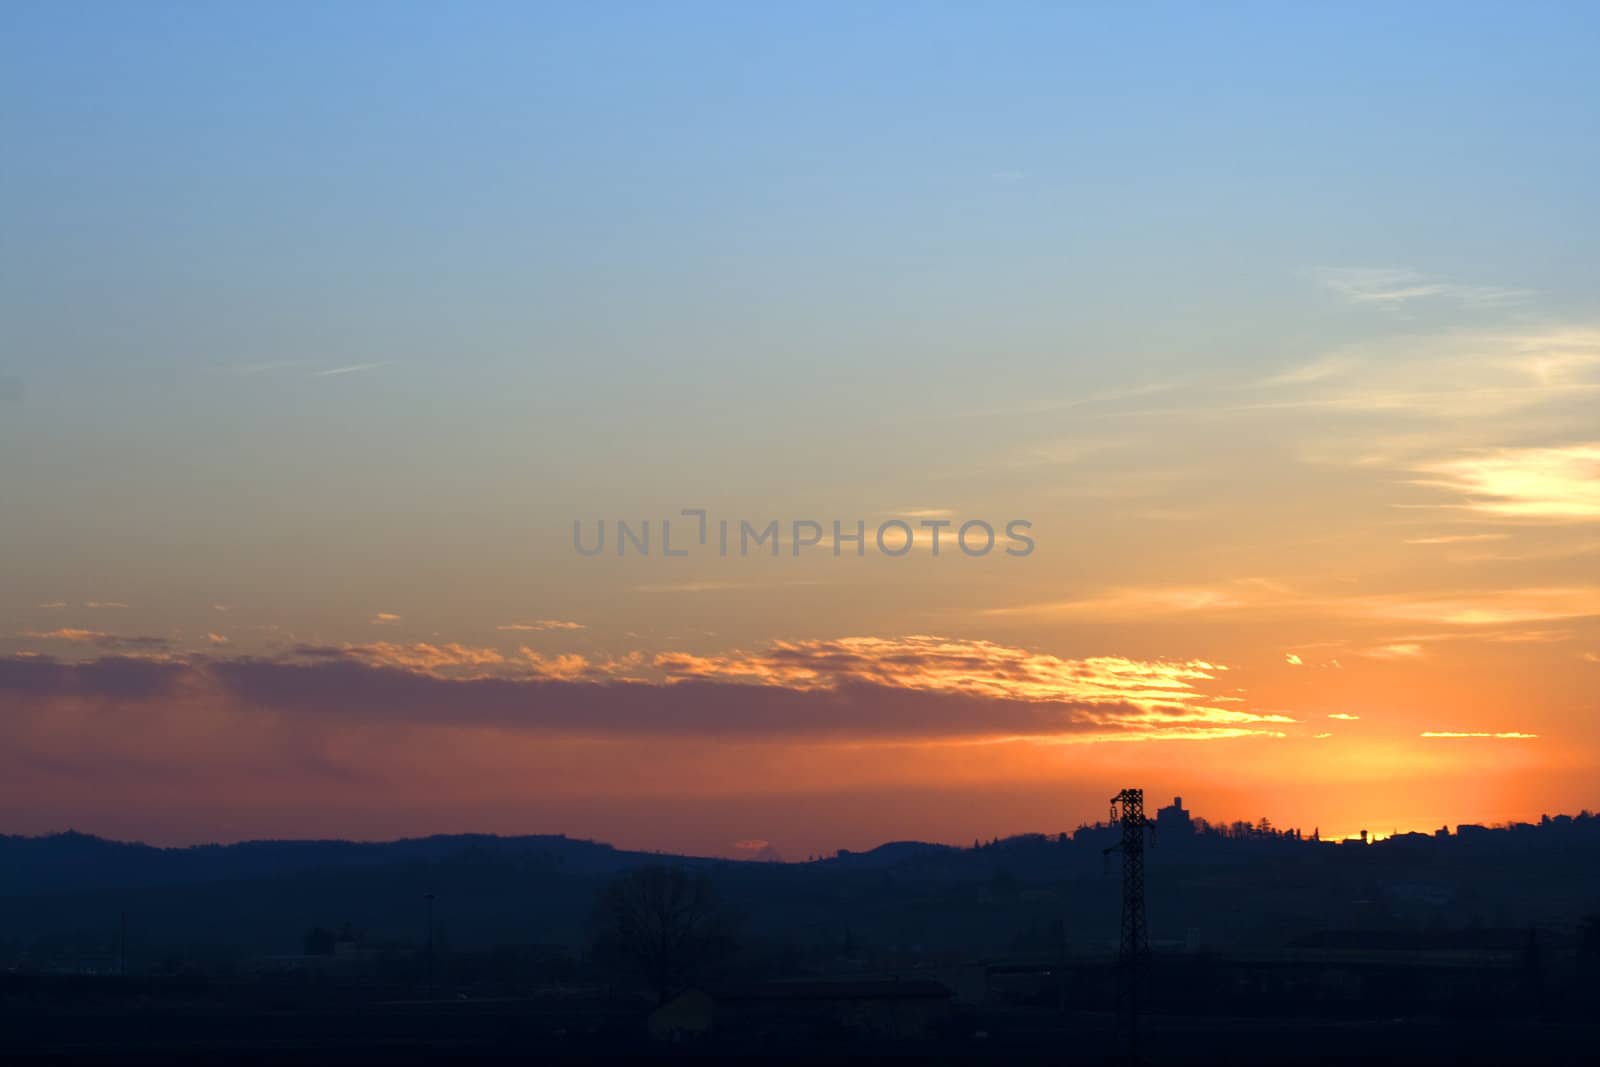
(493, 1031)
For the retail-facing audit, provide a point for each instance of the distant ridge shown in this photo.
(73, 861)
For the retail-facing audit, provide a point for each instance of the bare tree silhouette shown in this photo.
(663, 925)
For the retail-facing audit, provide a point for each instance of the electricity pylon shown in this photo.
(1133, 961)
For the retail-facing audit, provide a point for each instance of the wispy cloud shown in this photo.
(1145, 734)
(1484, 608)
(384, 618)
(419, 656)
(1394, 286)
(1395, 651)
(1395, 647)
(1457, 539)
(100, 639)
(353, 368)
(540, 624)
(1266, 598)
(65, 633)
(1136, 602)
(1507, 735)
(1560, 483)
(1453, 375)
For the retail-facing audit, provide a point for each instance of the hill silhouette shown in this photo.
(1228, 887)
(1256, 930)
(75, 861)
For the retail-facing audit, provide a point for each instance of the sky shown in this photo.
(323, 326)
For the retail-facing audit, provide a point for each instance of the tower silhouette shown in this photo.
(1133, 961)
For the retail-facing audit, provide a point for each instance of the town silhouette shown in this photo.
(1156, 937)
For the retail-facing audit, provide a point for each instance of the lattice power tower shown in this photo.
(1133, 962)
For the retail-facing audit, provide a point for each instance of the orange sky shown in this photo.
(327, 325)
(1370, 616)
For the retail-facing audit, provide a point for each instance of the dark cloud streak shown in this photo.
(331, 691)
(340, 688)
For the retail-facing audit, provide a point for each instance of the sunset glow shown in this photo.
(1301, 411)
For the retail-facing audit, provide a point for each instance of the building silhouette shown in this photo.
(1174, 821)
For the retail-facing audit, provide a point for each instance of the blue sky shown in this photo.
(322, 314)
(572, 246)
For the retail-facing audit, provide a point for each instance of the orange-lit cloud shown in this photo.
(1509, 735)
(1456, 539)
(920, 661)
(908, 687)
(67, 633)
(101, 640)
(1157, 733)
(1396, 651)
(540, 624)
(1263, 598)
(1155, 601)
(1483, 608)
(1525, 483)
(325, 728)
(422, 656)
(1165, 699)
(565, 667)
